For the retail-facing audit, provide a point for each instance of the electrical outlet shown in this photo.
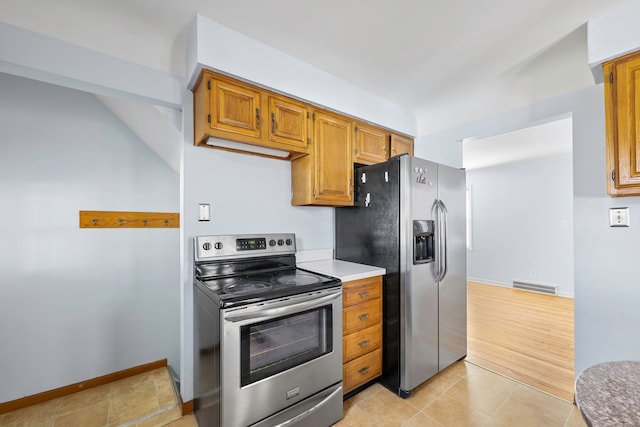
(619, 217)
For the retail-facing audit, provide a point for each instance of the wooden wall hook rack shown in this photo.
(118, 219)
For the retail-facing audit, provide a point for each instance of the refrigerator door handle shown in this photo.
(443, 239)
(435, 213)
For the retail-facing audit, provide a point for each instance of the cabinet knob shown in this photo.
(364, 370)
(364, 343)
(363, 294)
(364, 317)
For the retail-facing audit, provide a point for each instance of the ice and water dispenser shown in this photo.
(423, 241)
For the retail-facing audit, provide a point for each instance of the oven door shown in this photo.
(278, 353)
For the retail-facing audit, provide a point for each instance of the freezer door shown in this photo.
(453, 286)
(419, 291)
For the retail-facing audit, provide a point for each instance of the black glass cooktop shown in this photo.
(262, 286)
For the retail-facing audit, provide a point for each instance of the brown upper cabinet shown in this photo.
(622, 106)
(370, 144)
(231, 110)
(324, 177)
(400, 145)
(322, 145)
(289, 122)
(236, 108)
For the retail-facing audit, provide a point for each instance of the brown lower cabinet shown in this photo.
(361, 331)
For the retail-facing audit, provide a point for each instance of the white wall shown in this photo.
(605, 259)
(522, 223)
(43, 58)
(215, 46)
(79, 303)
(613, 35)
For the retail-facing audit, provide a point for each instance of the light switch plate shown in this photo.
(205, 212)
(619, 217)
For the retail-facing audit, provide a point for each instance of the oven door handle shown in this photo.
(283, 308)
(310, 411)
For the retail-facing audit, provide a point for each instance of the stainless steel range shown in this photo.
(268, 346)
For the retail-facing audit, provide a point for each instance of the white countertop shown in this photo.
(345, 271)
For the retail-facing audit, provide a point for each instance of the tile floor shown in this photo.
(463, 395)
(140, 401)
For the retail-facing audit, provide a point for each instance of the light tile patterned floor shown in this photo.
(463, 395)
(140, 401)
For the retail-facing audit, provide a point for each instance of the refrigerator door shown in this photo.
(418, 290)
(453, 285)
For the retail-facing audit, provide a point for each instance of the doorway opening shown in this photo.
(520, 193)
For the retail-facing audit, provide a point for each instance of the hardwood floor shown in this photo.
(524, 335)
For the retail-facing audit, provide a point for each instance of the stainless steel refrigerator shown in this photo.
(409, 217)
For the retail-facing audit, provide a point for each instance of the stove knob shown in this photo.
(218, 245)
(289, 242)
(280, 242)
(272, 242)
(206, 246)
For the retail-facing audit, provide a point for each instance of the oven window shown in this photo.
(279, 344)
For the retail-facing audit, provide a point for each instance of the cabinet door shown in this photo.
(622, 93)
(400, 145)
(370, 145)
(361, 342)
(333, 163)
(235, 108)
(288, 122)
(361, 316)
(362, 290)
(361, 370)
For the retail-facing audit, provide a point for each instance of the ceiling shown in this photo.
(450, 62)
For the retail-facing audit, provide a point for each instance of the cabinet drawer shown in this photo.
(361, 316)
(361, 342)
(361, 370)
(362, 290)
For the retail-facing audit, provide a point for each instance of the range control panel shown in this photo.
(243, 245)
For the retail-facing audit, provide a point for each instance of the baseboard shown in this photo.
(83, 385)
(187, 407)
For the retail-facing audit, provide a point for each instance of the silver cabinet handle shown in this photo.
(309, 411)
(289, 306)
